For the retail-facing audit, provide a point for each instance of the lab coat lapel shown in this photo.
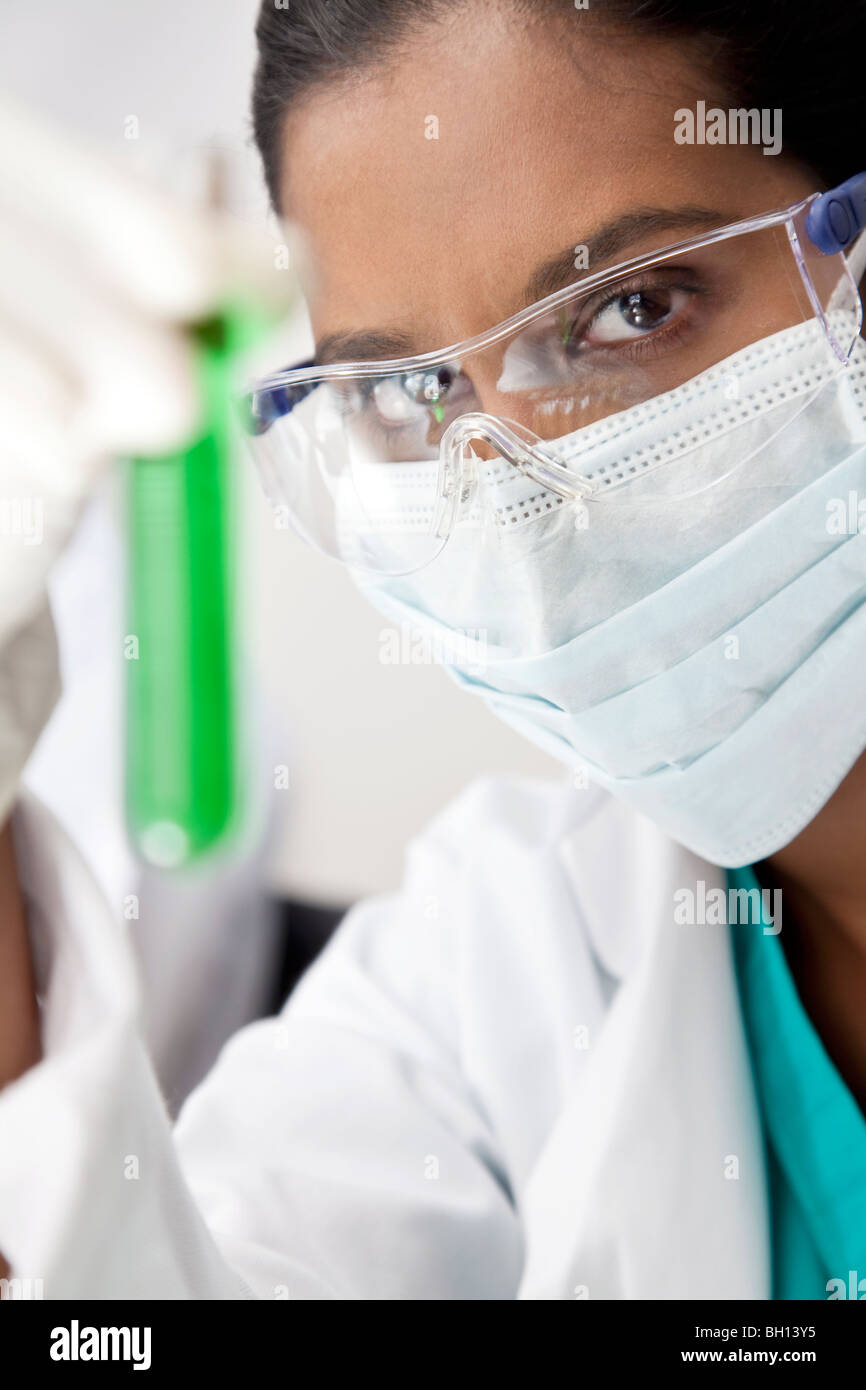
(652, 1183)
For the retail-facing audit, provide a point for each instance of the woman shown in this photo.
(580, 1054)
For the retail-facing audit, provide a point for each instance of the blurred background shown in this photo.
(348, 757)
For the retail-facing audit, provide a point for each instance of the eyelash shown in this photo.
(636, 347)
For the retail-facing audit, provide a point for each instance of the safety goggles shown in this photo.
(377, 462)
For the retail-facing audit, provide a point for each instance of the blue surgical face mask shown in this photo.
(699, 650)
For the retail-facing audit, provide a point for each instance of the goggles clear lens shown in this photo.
(378, 462)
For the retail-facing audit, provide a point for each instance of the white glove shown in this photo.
(99, 274)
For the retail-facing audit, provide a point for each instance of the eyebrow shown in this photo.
(368, 345)
(612, 239)
(602, 246)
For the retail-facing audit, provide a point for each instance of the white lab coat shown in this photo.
(515, 1078)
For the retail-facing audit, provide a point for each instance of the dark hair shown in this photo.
(807, 59)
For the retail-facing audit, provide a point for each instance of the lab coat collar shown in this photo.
(652, 1182)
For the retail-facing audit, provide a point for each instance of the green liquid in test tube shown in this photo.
(182, 784)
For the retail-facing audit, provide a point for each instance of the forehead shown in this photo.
(427, 191)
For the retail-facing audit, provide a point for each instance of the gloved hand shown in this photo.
(99, 274)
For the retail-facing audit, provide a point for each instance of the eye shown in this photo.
(634, 314)
(399, 399)
(393, 404)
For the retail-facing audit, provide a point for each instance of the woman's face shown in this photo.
(548, 136)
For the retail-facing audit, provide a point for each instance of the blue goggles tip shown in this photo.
(837, 217)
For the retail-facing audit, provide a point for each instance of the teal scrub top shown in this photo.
(814, 1131)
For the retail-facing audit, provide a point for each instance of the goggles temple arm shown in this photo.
(833, 221)
(274, 402)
